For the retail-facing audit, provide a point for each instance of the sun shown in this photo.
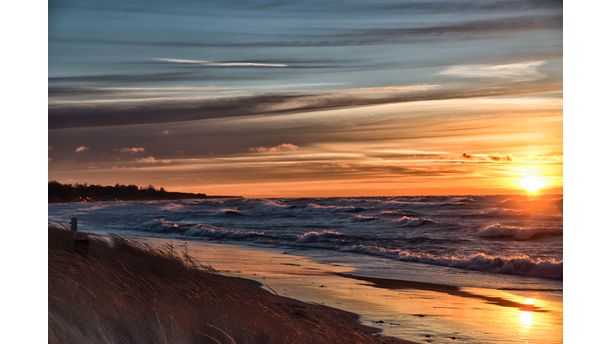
(532, 183)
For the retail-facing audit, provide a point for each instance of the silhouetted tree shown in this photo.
(59, 192)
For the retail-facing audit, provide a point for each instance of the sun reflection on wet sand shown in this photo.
(525, 319)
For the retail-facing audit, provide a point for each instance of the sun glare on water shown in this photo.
(532, 183)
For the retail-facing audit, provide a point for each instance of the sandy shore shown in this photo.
(416, 302)
(125, 292)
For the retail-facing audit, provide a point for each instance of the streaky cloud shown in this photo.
(218, 63)
(367, 36)
(180, 109)
(130, 150)
(521, 71)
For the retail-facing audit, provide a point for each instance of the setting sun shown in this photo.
(532, 183)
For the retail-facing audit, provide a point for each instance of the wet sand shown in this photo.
(441, 288)
(412, 310)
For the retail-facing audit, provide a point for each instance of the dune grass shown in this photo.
(123, 291)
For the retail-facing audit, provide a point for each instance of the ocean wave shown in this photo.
(273, 203)
(320, 206)
(92, 208)
(459, 199)
(214, 232)
(408, 221)
(441, 200)
(397, 212)
(162, 225)
(172, 207)
(230, 211)
(337, 208)
(502, 212)
(317, 236)
(364, 218)
(519, 233)
(513, 265)
(204, 230)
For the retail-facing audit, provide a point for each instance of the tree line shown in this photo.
(59, 192)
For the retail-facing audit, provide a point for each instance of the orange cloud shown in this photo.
(131, 150)
(494, 157)
(283, 147)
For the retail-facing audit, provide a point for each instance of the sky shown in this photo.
(313, 98)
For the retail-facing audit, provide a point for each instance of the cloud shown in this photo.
(283, 147)
(493, 157)
(81, 149)
(500, 157)
(190, 109)
(463, 6)
(130, 150)
(152, 160)
(218, 63)
(521, 71)
(368, 36)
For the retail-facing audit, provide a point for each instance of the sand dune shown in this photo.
(126, 292)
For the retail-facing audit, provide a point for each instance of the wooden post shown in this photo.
(73, 231)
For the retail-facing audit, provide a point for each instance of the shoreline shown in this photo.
(122, 291)
(439, 311)
(397, 284)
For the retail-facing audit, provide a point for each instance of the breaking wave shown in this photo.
(519, 233)
(515, 265)
(214, 232)
(501, 212)
(408, 221)
(360, 217)
(230, 211)
(172, 207)
(317, 236)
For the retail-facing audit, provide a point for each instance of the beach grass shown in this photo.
(123, 291)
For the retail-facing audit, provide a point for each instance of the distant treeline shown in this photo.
(59, 192)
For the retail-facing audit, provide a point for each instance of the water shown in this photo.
(501, 235)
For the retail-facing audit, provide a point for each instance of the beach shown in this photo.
(118, 291)
(413, 308)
